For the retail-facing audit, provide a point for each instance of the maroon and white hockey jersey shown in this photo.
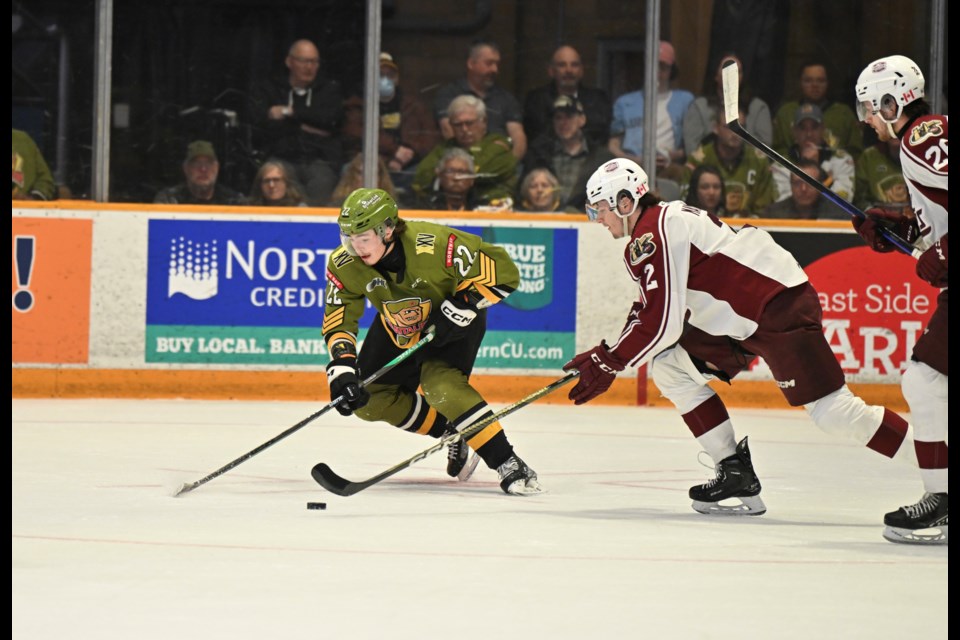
(923, 156)
(689, 265)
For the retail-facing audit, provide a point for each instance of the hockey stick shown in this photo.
(731, 114)
(190, 486)
(329, 480)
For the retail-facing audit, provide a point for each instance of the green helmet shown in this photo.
(366, 209)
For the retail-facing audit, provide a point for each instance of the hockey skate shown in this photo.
(922, 523)
(735, 480)
(459, 463)
(517, 479)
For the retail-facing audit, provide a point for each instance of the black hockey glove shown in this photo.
(451, 319)
(343, 381)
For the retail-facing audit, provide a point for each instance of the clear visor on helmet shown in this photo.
(602, 206)
(345, 241)
(592, 211)
(889, 109)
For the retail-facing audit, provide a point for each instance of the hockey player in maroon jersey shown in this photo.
(711, 299)
(890, 100)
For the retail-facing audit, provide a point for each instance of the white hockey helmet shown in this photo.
(613, 180)
(886, 86)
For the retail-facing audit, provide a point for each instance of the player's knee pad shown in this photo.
(679, 380)
(922, 384)
(925, 390)
(845, 414)
(447, 388)
(388, 402)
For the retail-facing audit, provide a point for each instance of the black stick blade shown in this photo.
(329, 480)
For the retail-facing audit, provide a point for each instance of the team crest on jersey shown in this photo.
(376, 282)
(425, 243)
(642, 248)
(408, 316)
(925, 130)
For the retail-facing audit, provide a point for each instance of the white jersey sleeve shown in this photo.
(691, 267)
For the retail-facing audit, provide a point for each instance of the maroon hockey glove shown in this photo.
(598, 369)
(893, 220)
(932, 265)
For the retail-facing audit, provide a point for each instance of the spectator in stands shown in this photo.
(879, 177)
(805, 202)
(566, 79)
(200, 170)
(842, 131)
(540, 192)
(352, 179)
(408, 131)
(626, 129)
(809, 144)
(32, 179)
(455, 186)
(567, 152)
(702, 113)
(706, 190)
(746, 171)
(275, 186)
(299, 116)
(503, 110)
(496, 166)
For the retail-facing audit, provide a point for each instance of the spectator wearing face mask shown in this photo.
(408, 131)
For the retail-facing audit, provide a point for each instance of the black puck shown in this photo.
(317, 505)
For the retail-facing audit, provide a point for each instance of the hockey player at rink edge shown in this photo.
(416, 275)
(712, 299)
(890, 100)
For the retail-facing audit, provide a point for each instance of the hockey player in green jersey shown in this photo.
(417, 275)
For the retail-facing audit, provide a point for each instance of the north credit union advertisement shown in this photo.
(248, 292)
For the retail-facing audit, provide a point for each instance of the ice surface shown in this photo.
(101, 549)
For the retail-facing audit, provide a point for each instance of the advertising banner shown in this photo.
(51, 290)
(874, 305)
(241, 292)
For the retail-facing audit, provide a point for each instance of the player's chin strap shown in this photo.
(628, 232)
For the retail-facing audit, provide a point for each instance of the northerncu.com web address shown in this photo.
(517, 350)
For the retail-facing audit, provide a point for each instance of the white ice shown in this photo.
(102, 550)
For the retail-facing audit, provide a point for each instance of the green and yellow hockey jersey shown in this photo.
(440, 261)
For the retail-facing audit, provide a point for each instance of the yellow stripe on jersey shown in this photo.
(428, 422)
(332, 318)
(484, 436)
(488, 271)
(491, 296)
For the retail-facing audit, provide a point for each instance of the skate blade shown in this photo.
(467, 472)
(745, 506)
(933, 535)
(525, 488)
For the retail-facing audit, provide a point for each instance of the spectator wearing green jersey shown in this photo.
(746, 172)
